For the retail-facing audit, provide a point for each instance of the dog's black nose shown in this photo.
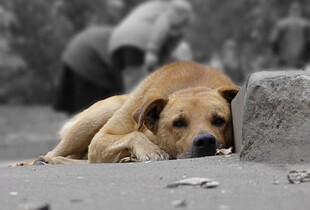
(205, 145)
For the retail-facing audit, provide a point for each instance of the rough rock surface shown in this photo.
(272, 117)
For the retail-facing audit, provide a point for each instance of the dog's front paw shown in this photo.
(42, 161)
(151, 154)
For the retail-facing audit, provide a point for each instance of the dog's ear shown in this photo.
(148, 114)
(228, 92)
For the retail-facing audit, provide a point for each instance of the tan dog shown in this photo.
(181, 110)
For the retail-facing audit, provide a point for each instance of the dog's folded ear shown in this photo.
(148, 113)
(228, 92)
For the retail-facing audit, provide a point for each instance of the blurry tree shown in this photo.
(37, 40)
(11, 64)
(41, 31)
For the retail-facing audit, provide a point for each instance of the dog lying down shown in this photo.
(181, 110)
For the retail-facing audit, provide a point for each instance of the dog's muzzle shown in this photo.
(204, 145)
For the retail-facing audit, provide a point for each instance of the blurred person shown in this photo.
(147, 37)
(87, 75)
(290, 39)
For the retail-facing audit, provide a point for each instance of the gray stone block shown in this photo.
(271, 116)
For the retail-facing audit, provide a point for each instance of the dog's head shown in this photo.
(192, 122)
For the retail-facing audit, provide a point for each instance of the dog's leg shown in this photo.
(43, 160)
(77, 137)
(24, 163)
(112, 148)
(78, 132)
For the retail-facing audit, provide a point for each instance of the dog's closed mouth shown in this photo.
(195, 154)
(222, 150)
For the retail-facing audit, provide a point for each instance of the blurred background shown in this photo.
(238, 37)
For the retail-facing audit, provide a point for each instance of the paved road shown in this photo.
(141, 186)
(28, 131)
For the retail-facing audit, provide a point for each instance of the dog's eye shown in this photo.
(218, 121)
(179, 123)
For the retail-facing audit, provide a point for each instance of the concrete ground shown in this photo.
(243, 185)
(28, 131)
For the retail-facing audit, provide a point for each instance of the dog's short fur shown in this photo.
(181, 110)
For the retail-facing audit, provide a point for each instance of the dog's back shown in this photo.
(174, 77)
(181, 75)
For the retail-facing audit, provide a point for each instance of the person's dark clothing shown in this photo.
(127, 57)
(87, 54)
(87, 73)
(76, 93)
